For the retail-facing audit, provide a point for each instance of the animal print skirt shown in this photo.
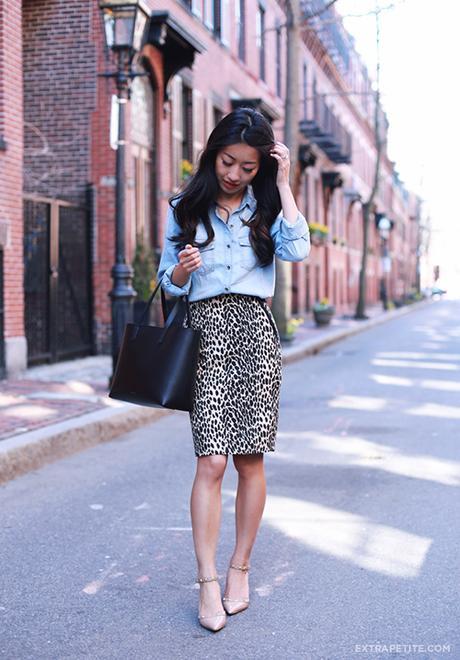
(237, 391)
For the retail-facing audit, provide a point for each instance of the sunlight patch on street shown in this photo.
(362, 452)
(429, 384)
(415, 365)
(348, 536)
(382, 379)
(446, 385)
(436, 410)
(357, 402)
(419, 356)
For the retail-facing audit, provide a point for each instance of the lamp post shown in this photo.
(124, 27)
(384, 226)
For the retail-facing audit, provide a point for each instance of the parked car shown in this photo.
(437, 291)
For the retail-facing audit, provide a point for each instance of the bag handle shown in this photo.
(167, 318)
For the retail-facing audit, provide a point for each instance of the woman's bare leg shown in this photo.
(250, 502)
(205, 509)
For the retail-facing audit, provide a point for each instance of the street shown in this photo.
(357, 551)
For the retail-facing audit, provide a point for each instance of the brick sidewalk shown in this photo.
(34, 401)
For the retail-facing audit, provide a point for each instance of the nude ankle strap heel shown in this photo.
(242, 603)
(219, 624)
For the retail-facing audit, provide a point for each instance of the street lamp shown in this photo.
(124, 28)
(124, 24)
(384, 227)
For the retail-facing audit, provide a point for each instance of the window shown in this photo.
(187, 119)
(278, 58)
(221, 23)
(182, 128)
(240, 19)
(197, 7)
(142, 144)
(208, 7)
(216, 14)
(260, 40)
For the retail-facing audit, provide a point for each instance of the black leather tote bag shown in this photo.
(156, 366)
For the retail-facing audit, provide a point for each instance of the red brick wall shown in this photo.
(11, 234)
(59, 96)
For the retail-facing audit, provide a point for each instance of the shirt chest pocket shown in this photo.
(247, 256)
(207, 253)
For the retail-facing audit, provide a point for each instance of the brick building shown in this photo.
(203, 57)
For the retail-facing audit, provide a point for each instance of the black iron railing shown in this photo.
(326, 131)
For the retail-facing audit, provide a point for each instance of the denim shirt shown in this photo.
(229, 263)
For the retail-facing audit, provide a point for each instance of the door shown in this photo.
(57, 283)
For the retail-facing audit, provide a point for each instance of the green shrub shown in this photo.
(144, 266)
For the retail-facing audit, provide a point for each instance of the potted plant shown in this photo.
(318, 233)
(144, 281)
(186, 169)
(292, 326)
(323, 311)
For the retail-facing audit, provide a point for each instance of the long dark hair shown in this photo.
(193, 202)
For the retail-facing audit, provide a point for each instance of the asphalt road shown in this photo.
(357, 552)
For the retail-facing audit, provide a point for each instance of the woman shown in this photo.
(223, 231)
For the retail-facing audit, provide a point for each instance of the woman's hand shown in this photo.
(189, 260)
(281, 153)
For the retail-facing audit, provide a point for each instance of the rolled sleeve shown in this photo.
(291, 240)
(171, 288)
(169, 259)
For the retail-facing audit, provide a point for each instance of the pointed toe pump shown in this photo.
(213, 622)
(235, 605)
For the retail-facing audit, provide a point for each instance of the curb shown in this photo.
(30, 451)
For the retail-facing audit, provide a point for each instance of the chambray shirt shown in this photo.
(229, 263)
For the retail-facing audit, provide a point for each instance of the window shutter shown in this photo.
(198, 125)
(176, 102)
(225, 22)
(209, 117)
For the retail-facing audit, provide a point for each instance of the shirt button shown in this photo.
(228, 267)
(226, 288)
(228, 244)
(231, 225)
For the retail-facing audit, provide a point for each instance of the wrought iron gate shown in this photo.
(57, 280)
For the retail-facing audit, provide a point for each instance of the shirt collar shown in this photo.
(249, 199)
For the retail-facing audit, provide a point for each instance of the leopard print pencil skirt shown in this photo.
(237, 391)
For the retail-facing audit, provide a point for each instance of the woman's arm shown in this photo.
(289, 206)
(290, 233)
(291, 240)
(176, 266)
(174, 283)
